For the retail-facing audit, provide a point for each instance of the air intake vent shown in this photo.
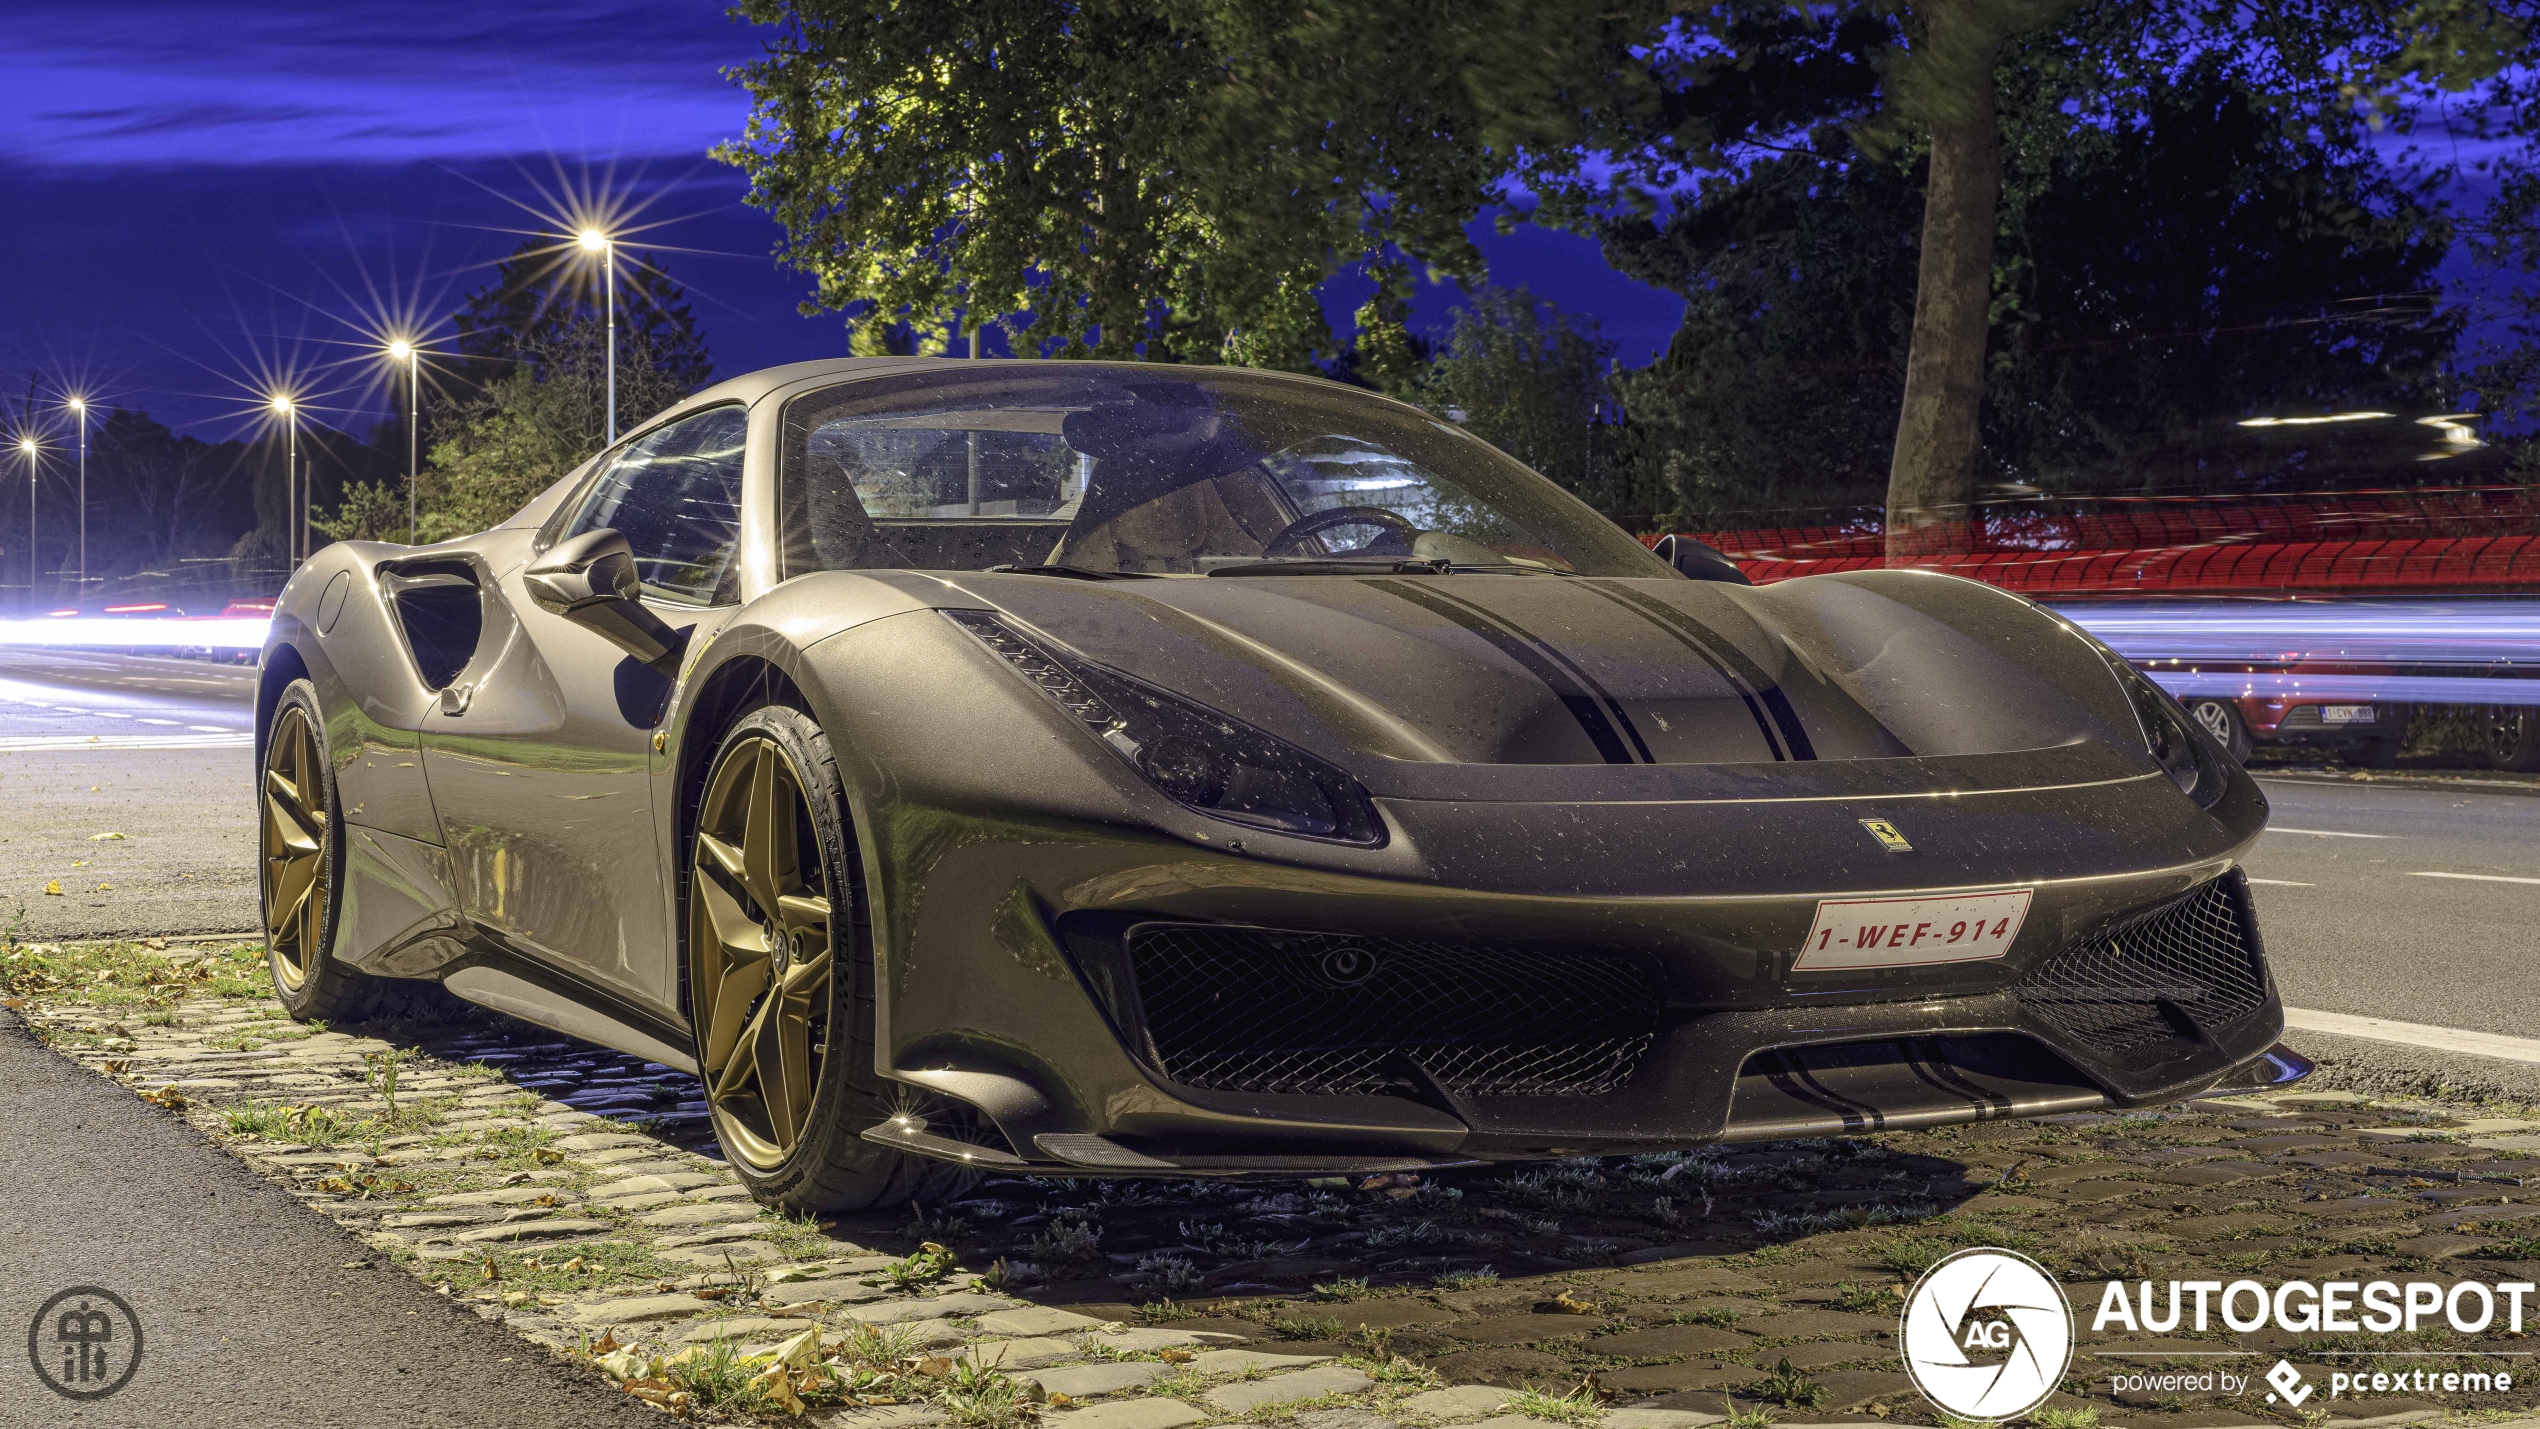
(2165, 975)
(1257, 1010)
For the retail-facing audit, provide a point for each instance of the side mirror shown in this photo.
(1698, 562)
(590, 580)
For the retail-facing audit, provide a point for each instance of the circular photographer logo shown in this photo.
(1987, 1334)
(85, 1343)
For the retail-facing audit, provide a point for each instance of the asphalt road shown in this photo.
(2415, 904)
(252, 1311)
(154, 749)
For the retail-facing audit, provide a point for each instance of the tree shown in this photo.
(2169, 255)
(1526, 377)
(1172, 178)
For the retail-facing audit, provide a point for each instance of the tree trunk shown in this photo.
(1931, 478)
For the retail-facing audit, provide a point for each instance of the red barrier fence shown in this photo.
(2477, 539)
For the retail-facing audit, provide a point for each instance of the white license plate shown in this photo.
(1909, 932)
(2345, 714)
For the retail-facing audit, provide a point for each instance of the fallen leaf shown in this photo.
(607, 1342)
(802, 1351)
(166, 1097)
(117, 1069)
(105, 838)
(515, 1298)
(1573, 1305)
(574, 1265)
(546, 1156)
(105, 888)
(548, 1200)
(933, 1367)
(1062, 1401)
(713, 1293)
(491, 1270)
(53, 888)
(1175, 1355)
(775, 1385)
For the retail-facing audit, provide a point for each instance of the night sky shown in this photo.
(202, 192)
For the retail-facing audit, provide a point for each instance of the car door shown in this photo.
(539, 767)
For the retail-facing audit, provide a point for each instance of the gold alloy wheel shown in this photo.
(759, 940)
(293, 838)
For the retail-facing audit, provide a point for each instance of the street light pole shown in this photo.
(594, 241)
(27, 445)
(79, 410)
(414, 424)
(299, 508)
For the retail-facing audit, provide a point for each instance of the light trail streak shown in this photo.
(207, 632)
(2418, 651)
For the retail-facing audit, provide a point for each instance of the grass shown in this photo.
(1343, 1291)
(1310, 1327)
(121, 974)
(1862, 1299)
(1577, 1407)
(1165, 1311)
(1737, 1418)
(601, 1263)
(325, 1126)
(1468, 1279)
(1789, 1386)
(2086, 1417)
(1394, 1371)
(1718, 1317)
(984, 1398)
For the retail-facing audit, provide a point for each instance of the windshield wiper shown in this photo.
(1386, 567)
(1397, 567)
(1074, 573)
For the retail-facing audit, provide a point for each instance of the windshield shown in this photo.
(1139, 470)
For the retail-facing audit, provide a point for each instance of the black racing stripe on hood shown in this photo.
(1577, 690)
(1753, 685)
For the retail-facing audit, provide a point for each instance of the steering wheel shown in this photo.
(1399, 532)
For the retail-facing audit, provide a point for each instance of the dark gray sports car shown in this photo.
(1089, 768)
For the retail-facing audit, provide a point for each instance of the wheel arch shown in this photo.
(283, 664)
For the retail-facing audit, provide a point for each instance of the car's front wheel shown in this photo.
(300, 840)
(780, 979)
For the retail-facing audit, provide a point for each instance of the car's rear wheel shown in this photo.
(301, 840)
(2513, 737)
(2223, 722)
(780, 979)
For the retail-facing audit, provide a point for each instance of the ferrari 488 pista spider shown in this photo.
(1086, 768)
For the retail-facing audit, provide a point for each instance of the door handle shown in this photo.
(454, 699)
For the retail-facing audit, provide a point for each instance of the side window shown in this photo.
(675, 495)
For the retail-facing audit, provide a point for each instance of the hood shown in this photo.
(1473, 669)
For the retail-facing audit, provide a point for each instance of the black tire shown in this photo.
(2221, 719)
(830, 1167)
(308, 979)
(2512, 737)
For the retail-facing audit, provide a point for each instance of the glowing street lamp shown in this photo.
(411, 355)
(79, 413)
(594, 241)
(284, 408)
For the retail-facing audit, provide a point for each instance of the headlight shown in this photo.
(2190, 760)
(1202, 759)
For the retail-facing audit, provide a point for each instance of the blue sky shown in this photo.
(200, 191)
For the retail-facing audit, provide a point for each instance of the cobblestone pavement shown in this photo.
(574, 1195)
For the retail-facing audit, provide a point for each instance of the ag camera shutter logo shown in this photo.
(1987, 1334)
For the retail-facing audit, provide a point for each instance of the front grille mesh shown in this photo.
(2161, 976)
(1257, 1010)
